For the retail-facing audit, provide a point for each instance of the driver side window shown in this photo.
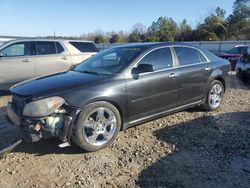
(17, 49)
(159, 59)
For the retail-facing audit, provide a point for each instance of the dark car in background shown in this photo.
(118, 88)
(234, 54)
(243, 67)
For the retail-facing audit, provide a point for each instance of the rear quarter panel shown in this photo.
(221, 70)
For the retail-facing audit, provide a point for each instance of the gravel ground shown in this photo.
(192, 148)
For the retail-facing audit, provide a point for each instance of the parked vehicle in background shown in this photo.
(26, 58)
(118, 88)
(243, 67)
(234, 54)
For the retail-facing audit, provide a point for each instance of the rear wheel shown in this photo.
(214, 96)
(97, 126)
(244, 78)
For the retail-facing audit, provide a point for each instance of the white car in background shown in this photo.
(26, 58)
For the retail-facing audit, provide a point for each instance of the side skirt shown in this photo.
(161, 114)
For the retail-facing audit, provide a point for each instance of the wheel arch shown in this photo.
(115, 104)
(221, 79)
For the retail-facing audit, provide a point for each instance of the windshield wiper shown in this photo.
(90, 72)
(94, 72)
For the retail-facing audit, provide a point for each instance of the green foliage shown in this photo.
(138, 33)
(99, 39)
(134, 37)
(114, 38)
(214, 27)
(239, 20)
(184, 31)
(220, 13)
(162, 30)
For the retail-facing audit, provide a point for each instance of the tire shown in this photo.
(214, 96)
(238, 73)
(97, 126)
(244, 78)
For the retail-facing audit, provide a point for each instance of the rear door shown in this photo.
(153, 92)
(51, 57)
(16, 63)
(194, 70)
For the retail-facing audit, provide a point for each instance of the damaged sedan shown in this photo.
(116, 89)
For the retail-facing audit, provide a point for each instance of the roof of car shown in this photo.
(154, 44)
(242, 45)
(48, 39)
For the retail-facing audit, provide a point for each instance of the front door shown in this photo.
(16, 63)
(155, 91)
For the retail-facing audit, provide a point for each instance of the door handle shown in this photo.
(64, 58)
(26, 60)
(172, 75)
(208, 68)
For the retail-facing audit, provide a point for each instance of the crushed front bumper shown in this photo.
(13, 117)
(34, 129)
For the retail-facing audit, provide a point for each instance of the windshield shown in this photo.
(238, 50)
(110, 61)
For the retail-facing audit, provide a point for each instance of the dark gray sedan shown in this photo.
(116, 89)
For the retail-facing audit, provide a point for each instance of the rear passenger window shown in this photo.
(59, 48)
(160, 59)
(188, 56)
(45, 48)
(202, 57)
(85, 46)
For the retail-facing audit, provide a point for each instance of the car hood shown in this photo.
(55, 83)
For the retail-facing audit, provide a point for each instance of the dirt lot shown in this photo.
(188, 149)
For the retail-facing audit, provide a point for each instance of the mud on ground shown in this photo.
(192, 148)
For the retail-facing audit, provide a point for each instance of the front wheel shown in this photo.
(214, 96)
(97, 126)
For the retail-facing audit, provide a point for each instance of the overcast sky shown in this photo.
(74, 17)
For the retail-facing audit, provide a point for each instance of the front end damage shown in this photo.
(59, 123)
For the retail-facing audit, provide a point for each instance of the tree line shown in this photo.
(213, 28)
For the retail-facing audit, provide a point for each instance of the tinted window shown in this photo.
(187, 56)
(59, 48)
(17, 49)
(159, 59)
(238, 50)
(85, 46)
(202, 57)
(242, 50)
(45, 48)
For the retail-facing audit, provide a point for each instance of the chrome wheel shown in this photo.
(215, 96)
(99, 127)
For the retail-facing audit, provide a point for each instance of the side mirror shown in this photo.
(141, 68)
(1, 55)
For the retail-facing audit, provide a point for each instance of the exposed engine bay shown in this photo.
(57, 121)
